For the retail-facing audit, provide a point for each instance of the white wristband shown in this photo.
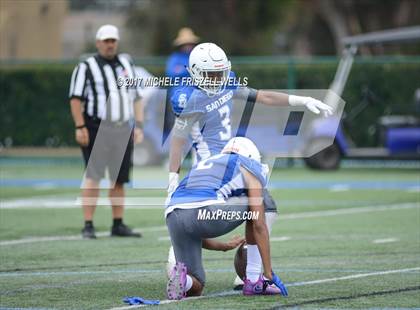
(173, 176)
(173, 182)
(296, 100)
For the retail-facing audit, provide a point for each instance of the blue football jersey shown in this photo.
(214, 180)
(176, 68)
(213, 128)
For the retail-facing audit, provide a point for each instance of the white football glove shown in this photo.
(314, 105)
(173, 182)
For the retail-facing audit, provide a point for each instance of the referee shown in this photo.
(108, 121)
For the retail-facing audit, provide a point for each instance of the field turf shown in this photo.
(344, 239)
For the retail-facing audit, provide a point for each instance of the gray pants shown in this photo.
(187, 232)
(269, 203)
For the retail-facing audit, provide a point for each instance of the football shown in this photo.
(240, 261)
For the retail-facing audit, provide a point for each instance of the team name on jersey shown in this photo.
(219, 102)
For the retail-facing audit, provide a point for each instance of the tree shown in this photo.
(252, 27)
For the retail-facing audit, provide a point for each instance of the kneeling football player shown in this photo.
(212, 200)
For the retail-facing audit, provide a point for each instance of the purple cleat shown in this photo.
(261, 287)
(175, 288)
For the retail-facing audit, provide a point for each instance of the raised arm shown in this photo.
(274, 98)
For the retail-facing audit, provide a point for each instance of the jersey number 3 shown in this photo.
(225, 118)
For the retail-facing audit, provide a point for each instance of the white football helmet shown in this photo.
(209, 67)
(242, 146)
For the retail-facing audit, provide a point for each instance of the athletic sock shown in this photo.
(189, 283)
(253, 265)
(270, 218)
(88, 224)
(117, 222)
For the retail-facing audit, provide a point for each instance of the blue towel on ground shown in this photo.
(135, 300)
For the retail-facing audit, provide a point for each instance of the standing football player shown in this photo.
(203, 113)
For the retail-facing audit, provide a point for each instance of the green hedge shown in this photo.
(393, 84)
(35, 108)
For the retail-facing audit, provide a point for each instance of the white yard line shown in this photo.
(41, 239)
(150, 203)
(279, 239)
(73, 237)
(75, 202)
(328, 280)
(385, 240)
(356, 276)
(290, 216)
(38, 203)
(325, 213)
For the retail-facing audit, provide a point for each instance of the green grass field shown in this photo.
(344, 239)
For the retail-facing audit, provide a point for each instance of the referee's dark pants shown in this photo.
(110, 147)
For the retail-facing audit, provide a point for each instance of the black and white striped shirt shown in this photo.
(95, 82)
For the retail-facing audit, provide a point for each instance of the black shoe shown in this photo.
(122, 230)
(88, 232)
